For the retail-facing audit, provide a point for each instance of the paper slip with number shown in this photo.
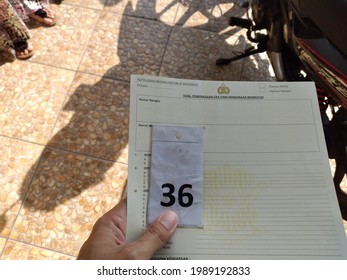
(177, 174)
(267, 185)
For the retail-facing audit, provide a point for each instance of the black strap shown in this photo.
(20, 45)
(41, 13)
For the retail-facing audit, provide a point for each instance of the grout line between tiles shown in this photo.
(86, 155)
(104, 77)
(64, 150)
(62, 106)
(41, 247)
(79, 6)
(3, 249)
(48, 65)
(77, 71)
(27, 186)
(176, 14)
(87, 43)
(165, 49)
(141, 16)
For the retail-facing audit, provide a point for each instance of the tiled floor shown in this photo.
(64, 112)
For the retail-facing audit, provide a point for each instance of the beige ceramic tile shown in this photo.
(164, 10)
(21, 251)
(94, 120)
(94, 4)
(63, 44)
(212, 15)
(192, 53)
(16, 169)
(31, 99)
(121, 46)
(257, 68)
(68, 193)
(2, 244)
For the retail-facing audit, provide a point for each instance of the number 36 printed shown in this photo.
(185, 199)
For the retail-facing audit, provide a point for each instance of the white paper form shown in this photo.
(268, 191)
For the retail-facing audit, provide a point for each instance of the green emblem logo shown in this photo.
(223, 89)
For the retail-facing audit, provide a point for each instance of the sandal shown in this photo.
(23, 50)
(40, 15)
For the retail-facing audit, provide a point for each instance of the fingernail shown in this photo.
(169, 220)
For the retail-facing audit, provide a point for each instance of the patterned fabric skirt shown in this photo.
(12, 28)
(26, 7)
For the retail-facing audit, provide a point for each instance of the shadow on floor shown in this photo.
(97, 126)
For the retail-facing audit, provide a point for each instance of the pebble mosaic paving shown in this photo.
(64, 112)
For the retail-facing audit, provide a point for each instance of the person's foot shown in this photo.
(24, 50)
(44, 16)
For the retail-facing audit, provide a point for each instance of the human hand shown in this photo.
(107, 239)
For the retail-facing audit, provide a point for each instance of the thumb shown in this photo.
(156, 236)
